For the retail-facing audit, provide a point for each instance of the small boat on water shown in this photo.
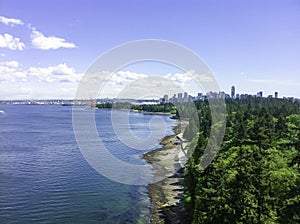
(67, 104)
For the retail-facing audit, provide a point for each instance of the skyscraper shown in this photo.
(185, 97)
(166, 99)
(179, 98)
(199, 96)
(259, 94)
(232, 91)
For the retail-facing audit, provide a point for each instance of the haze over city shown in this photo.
(46, 46)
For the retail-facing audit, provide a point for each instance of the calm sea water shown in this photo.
(45, 179)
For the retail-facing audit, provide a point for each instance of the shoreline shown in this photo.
(166, 194)
(152, 113)
(136, 111)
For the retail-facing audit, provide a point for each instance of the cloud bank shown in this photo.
(62, 80)
(10, 42)
(13, 71)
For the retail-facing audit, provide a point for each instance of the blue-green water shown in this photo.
(45, 179)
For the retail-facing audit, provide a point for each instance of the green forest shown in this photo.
(254, 177)
(160, 108)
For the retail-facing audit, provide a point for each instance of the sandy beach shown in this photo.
(166, 193)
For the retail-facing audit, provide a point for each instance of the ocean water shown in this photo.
(45, 179)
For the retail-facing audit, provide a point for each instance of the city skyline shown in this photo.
(45, 48)
(176, 98)
(201, 96)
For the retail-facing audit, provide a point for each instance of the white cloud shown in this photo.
(108, 84)
(40, 41)
(149, 87)
(14, 91)
(10, 71)
(10, 42)
(10, 21)
(17, 82)
(59, 73)
(130, 84)
(193, 83)
(10, 64)
(189, 76)
(204, 78)
(119, 78)
(135, 85)
(179, 77)
(125, 77)
(62, 81)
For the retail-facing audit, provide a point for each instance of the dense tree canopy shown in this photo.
(255, 177)
(162, 108)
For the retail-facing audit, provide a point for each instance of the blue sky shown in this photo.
(46, 46)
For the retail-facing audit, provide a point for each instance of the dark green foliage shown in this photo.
(255, 177)
(104, 106)
(162, 108)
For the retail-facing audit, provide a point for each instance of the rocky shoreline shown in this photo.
(166, 193)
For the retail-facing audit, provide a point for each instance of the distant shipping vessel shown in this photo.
(67, 104)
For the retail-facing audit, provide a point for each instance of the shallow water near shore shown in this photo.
(45, 179)
(166, 195)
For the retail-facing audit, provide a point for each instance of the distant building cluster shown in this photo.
(242, 96)
(185, 97)
(176, 98)
(180, 98)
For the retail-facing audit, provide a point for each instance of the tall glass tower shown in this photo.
(232, 91)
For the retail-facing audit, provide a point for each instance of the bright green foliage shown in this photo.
(255, 177)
